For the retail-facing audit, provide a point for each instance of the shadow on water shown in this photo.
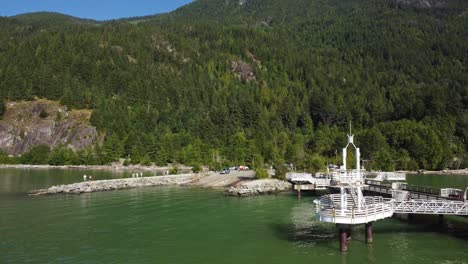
(312, 236)
(310, 194)
(326, 235)
(304, 228)
(455, 226)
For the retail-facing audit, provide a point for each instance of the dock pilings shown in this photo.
(368, 232)
(345, 233)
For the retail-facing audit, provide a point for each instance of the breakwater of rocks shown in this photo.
(116, 184)
(257, 187)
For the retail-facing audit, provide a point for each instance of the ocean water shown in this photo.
(192, 225)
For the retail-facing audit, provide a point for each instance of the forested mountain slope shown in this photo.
(224, 81)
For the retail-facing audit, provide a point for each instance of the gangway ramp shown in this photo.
(440, 207)
(305, 181)
(415, 192)
(390, 176)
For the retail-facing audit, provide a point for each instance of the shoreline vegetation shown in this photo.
(444, 172)
(181, 167)
(239, 184)
(114, 167)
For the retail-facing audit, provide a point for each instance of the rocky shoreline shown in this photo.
(258, 187)
(118, 166)
(117, 184)
(444, 172)
(247, 187)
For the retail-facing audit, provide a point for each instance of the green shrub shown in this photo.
(126, 162)
(280, 172)
(38, 155)
(196, 168)
(43, 114)
(384, 160)
(174, 170)
(146, 161)
(314, 163)
(4, 159)
(58, 116)
(261, 173)
(135, 160)
(2, 108)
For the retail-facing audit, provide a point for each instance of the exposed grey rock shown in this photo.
(27, 124)
(116, 184)
(243, 70)
(258, 187)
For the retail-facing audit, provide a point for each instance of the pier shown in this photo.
(347, 206)
(413, 191)
(307, 182)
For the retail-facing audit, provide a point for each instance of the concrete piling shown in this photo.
(369, 236)
(343, 240)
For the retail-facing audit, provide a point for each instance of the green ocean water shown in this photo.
(191, 225)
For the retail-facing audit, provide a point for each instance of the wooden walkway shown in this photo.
(415, 192)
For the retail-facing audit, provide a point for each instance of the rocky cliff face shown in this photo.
(26, 124)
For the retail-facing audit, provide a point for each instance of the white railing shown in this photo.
(299, 177)
(390, 176)
(348, 176)
(322, 182)
(330, 209)
(451, 192)
(308, 178)
(334, 200)
(431, 207)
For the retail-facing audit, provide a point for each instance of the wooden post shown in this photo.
(343, 240)
(369, 237)
(299, 192)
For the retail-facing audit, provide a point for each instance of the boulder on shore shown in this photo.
(257, 187)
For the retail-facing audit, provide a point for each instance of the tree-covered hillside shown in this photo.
(253, 81)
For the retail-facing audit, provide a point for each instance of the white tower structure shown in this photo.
(351, 176)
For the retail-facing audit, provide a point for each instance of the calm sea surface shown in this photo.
(190, 225)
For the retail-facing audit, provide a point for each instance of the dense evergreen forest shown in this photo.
(222, 82)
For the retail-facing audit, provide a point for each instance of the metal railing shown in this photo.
(420, 189)
(308, 178)
(390, 176)
(348, 176)
(431, 207)
(329, 207)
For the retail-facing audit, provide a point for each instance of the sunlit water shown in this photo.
(190, 225)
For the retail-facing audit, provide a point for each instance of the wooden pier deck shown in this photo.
(415, 192)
